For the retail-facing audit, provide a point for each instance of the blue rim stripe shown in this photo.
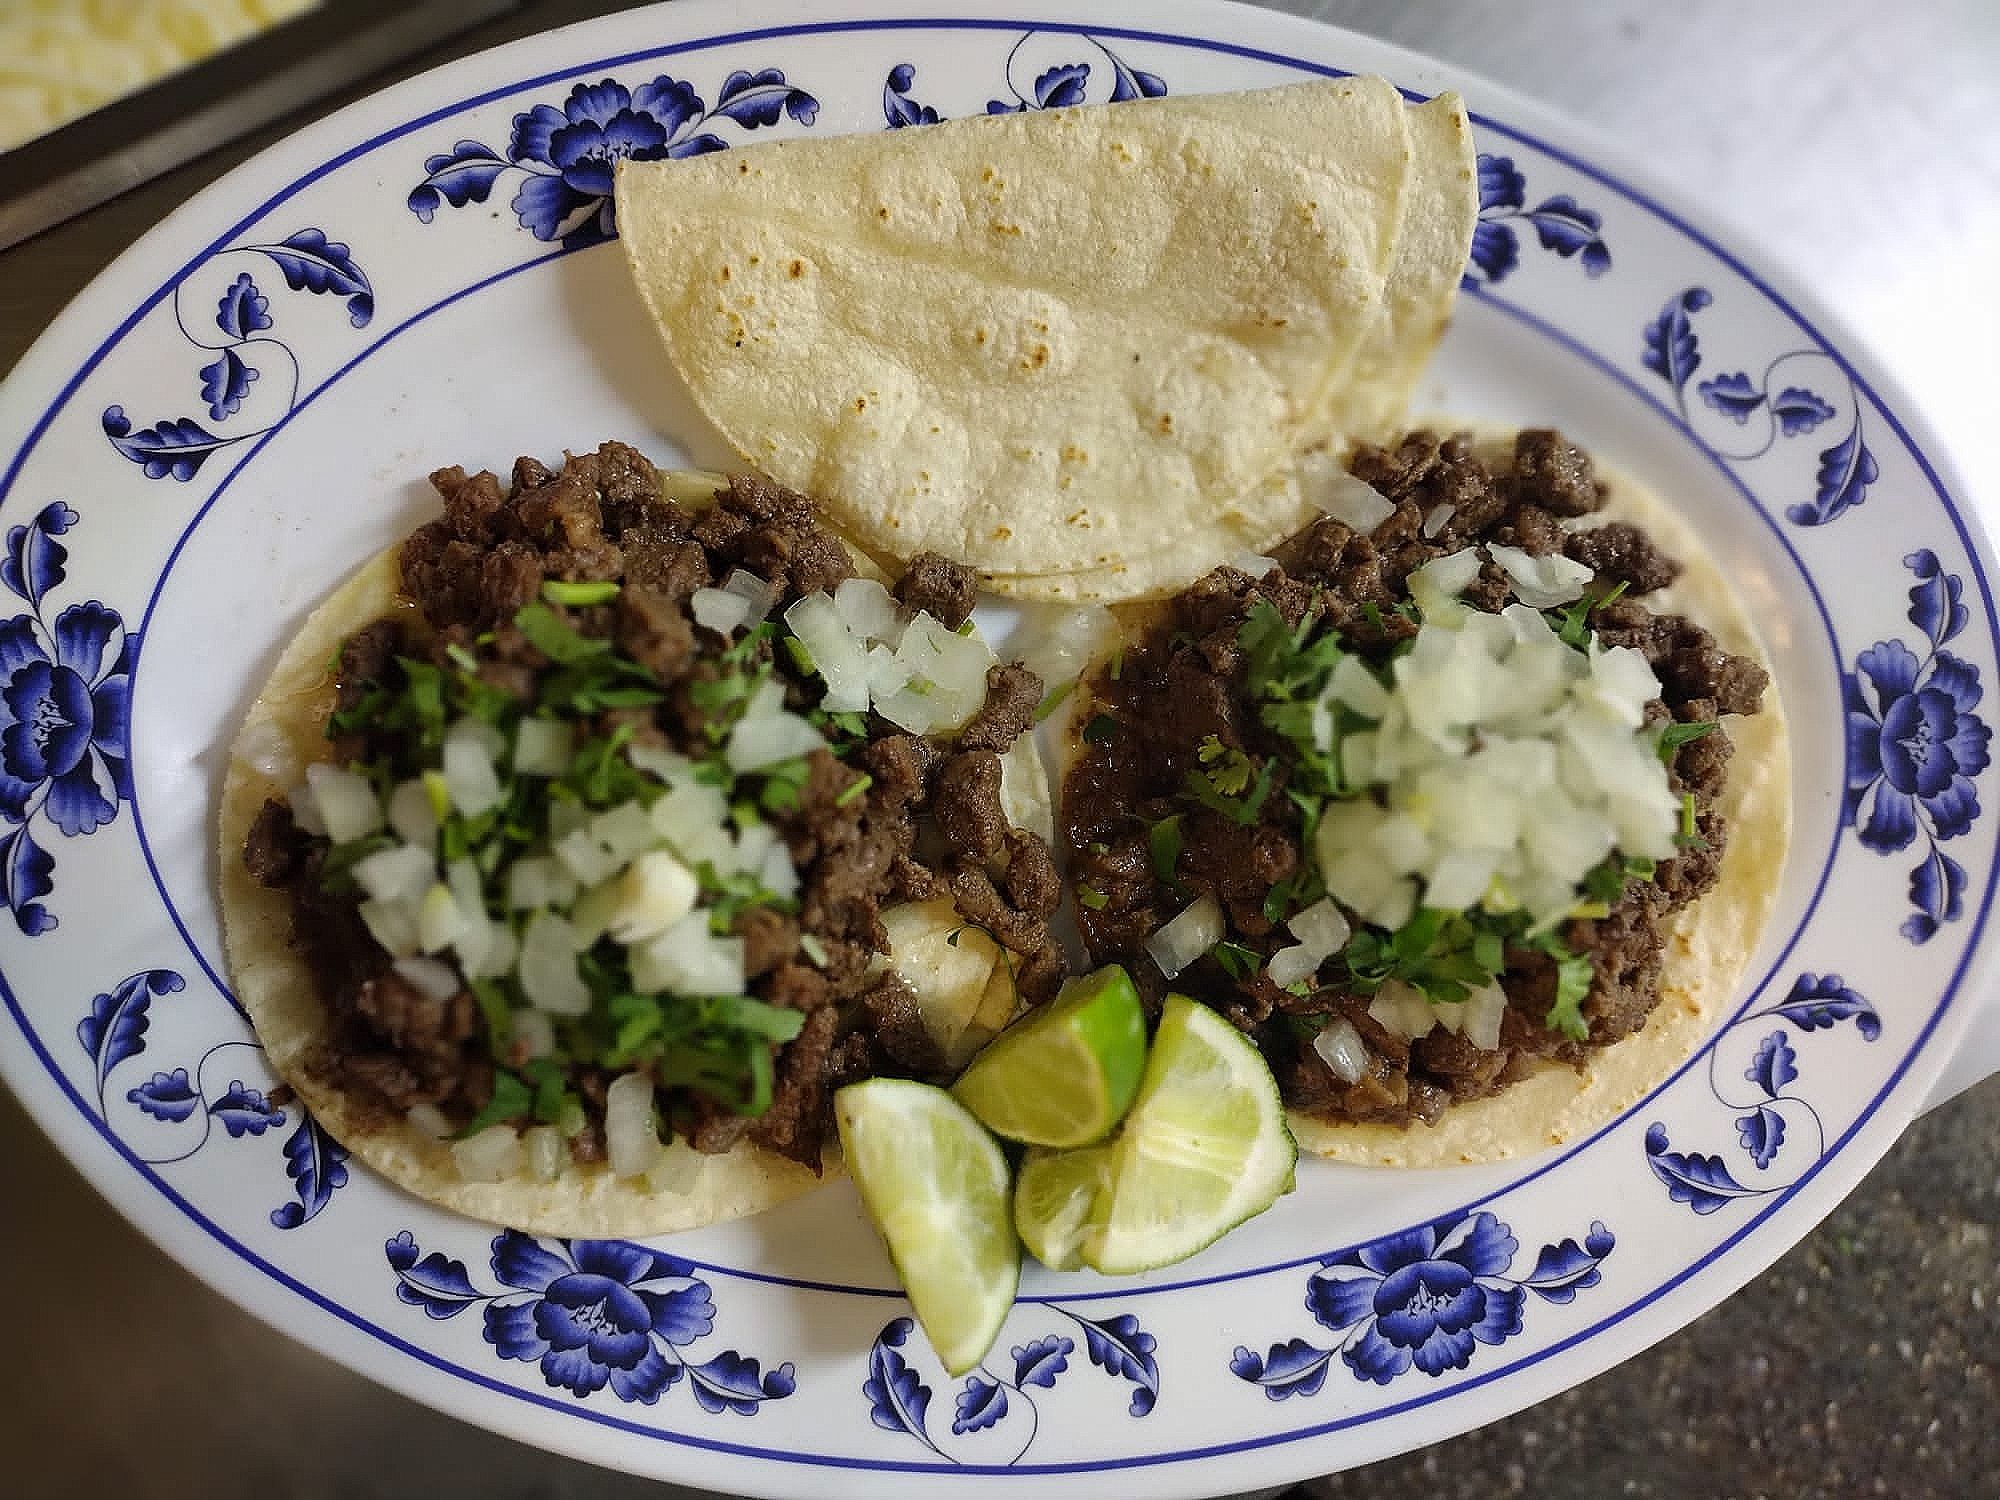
(1777, 1200)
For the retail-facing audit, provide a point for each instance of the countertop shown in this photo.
(1860, 143)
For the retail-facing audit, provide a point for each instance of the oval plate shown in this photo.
(242, 408)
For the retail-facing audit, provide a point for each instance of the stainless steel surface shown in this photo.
(228, 97)
(1859, 143)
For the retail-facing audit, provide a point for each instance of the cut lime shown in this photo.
(935, 1183)
(1204, 1148)
(1066, 1074)
(1056, 1197)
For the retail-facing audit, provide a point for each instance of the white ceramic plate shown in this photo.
(243, 407)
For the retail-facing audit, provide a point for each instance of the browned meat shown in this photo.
(968, 806)
(940, 587)
(1619, 552)
(1555, 474)
(1013, 693)
(275, 848)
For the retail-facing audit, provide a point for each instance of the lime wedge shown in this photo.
(1065, 1075)
(1056, 1197)
(1204, 1148)
(935, 1183)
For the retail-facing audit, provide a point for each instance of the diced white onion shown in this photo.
(584, 857)
(655, 892)
(305, 810)
(1402, 1011)
(838, 654)
(345, 801)
(1255, 564)
(469, 774)
(548, 971)
(776, 872)
(391, 926)
(630, 1141)
(767, 700)
(1480, 1024)
(437, 979)
(868, 610)
(947, 677)
(546, 1153)
(1435, 586)
(441, 921)
(691, 816)
(1542, 582)
(397, 874)
(591, 915)
(1184, 939)
(1340, 1047)
(755, 744)
(758, 595)
(539, 880)
(1332, 489)
(428, 1120)
(493, 1155)
(624, 831)
(1353, 685)
(1439, 517)
(534, 1033)
(688, 959)
(725, 614)
(542, 747)
(1291, 964)
(487, 736)
(676, 1169)
(1322, 928)
(411, 815)
(667, 765)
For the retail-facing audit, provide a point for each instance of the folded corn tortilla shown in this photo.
(1058, 342)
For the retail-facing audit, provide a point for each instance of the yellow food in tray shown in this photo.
(61, 59)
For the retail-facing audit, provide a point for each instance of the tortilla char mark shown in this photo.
(1175, 710)
(596, 548)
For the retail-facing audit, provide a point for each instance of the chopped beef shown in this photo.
(1013, 694)
(1181, 687)
(940, 587)
(1622, 553)
(897, 817)
(1555, 474)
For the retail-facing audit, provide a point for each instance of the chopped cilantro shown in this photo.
(1237, 961)
(1163, 843)
(1101, 728)
(1676, 735)
(815, 950)
(801, 657)
(782, 785)
(578, 595)
(511, 1099)
(554, 636)
(853, 789)
(1690, 835)
(1091, 896)
(1054, 700)
(1221, 788)
(1573, 978)
(1229, 769)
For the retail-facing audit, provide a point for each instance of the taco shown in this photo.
(987, 337)
(1469, 805)
(578, 848)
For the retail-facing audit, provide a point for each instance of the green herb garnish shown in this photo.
(511, 1099)
(1673, 736)
(1091, 896)
(1100, 729)
(579, 595)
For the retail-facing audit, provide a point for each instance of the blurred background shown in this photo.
(1857, 143)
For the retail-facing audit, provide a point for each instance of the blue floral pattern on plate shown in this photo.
(1914, 746)
(65, 715)
(1781, 410)
(1054, 86)
(592, 1314)
(899, 1398)
(1561, 224)
(114, 1032)
(179, 446)
(1424, 1298)
(567, 155)
(1769, 1108)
